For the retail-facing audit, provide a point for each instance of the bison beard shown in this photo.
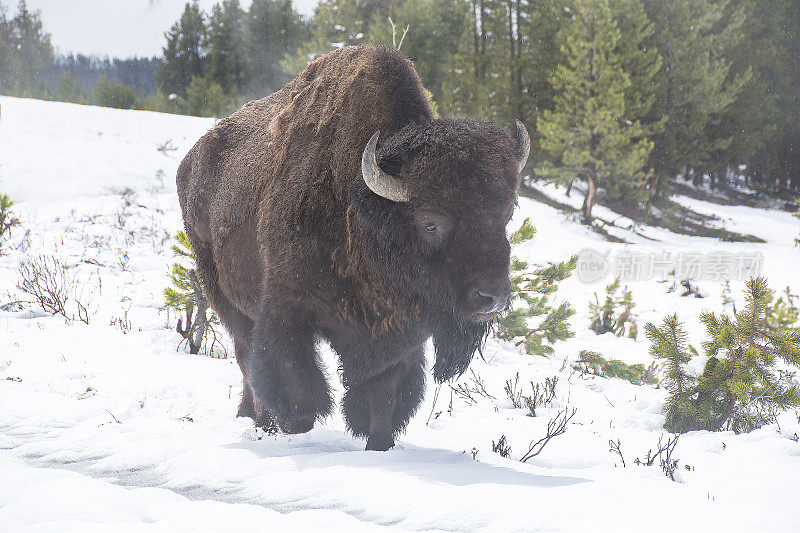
(338, 208)
(455, 343)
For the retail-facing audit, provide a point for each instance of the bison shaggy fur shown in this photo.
(293, 246)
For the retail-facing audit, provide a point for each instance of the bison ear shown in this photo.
(377, 180)
(522, 146)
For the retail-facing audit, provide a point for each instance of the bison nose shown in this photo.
(487, 301)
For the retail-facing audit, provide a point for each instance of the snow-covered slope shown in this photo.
(119, 28)
(106, 427)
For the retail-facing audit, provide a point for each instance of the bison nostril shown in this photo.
(484, 299)
(490, 302)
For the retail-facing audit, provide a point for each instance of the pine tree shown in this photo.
(477, 85)
(68, 90)
(669, 343)
(274, 31)
(694, 88)
(534, 318)
(588, 135)
(31, 46)
(9, 61)
(434, 30)
(225, 56)
(206, 98)
(196, 322)
(114, 94)
(183, 54)
(740, 373)
(640, 60)
(740, 387)
(7, 221)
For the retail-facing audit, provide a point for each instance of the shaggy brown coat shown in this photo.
(292, 246)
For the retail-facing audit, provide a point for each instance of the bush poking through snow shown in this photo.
(472, 390)
(595, 364)
(542, 395)
(501, 447)
(615, 314)
(7, 221)
(740, 389)
(52, 286)
(555, 427)
(534, 320)
(197, 324)
(663, 454)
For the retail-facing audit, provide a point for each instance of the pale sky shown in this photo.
(117, 28)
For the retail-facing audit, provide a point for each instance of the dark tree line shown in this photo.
(241, 51)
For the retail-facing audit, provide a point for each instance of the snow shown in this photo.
(118, 28)
(110, 428)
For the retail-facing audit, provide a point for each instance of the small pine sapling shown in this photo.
(615, 315)
(740, 389)
(534, 318)
(197, 324)
(669, 343)
(7, 221)
(740, 379)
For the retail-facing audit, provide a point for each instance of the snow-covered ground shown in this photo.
(107, 427)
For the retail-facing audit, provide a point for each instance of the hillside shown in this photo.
(107, 426)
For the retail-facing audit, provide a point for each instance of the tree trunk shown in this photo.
(475, 38)
(588, 201)
(512, 97)
(200, 320)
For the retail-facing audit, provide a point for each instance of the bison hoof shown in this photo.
(301, 424)
(266, 422)
(379, 444)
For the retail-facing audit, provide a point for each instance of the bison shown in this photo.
(339, 208)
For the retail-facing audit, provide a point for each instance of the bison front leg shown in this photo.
(285, 377)
(380, 406)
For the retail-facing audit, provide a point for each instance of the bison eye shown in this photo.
(433, 228)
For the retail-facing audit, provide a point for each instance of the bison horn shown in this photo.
(523, 146)
(379, 181)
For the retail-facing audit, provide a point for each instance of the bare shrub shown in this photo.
(555, 427)
(501, 447)
(662, 454)
(513, 391)
(51, 285)
(541, 395)
(472, 390)
(49, 282)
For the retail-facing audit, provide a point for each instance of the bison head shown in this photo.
(432, 211)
